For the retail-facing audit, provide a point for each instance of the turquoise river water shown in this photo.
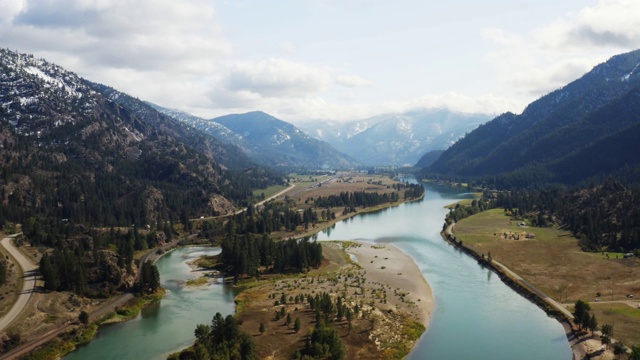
(476, 317)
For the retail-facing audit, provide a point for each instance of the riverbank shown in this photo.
(380, 286)
(329, 223)
(386, 264)
(62, 339)
(578, 343)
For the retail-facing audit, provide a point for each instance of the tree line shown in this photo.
(274, 216)
(356, 199)
(88, 261)
(246, 255)
(602, 216)
(365, 199)
(222, 340)
(460, 212)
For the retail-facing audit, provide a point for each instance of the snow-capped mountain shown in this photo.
(267, 140)
(397, 139)
(73, 149)
(219, 131)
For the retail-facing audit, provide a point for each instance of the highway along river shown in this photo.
(476, 316)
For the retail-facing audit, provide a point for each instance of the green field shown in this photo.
(625, 320)
(554, 263)
(270, 191)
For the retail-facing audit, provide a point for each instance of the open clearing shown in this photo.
(625, 320)
(309, 187)
(554, 263)
(270, 191)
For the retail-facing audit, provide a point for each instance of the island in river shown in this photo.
(386, 303)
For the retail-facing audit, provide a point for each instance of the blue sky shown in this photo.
(325, 59)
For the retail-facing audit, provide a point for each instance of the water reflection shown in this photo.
(473, 310)
(167, 325)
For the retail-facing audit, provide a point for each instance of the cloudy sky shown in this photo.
(325, 59)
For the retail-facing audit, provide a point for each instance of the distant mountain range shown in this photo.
(590, 128)
(397, 139)
(267, 140)
(81, 151)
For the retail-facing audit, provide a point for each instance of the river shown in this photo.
(167, 325)
(476, 316)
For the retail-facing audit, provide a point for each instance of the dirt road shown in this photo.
(29, 282)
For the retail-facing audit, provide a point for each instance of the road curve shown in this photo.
(29, 282)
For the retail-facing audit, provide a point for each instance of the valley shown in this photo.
(219, 180)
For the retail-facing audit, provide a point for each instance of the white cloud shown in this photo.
(9, 9)
(178, 54)
(549, 57)
(353, 81)
(610, 23)
(288, 48)
(316, 107)
(98, 37)
(501, 37)
(484, 104)
(276, 77)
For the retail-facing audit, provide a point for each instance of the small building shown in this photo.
(629, 255)
(531, 236)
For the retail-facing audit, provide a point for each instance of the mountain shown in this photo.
(70, 151)
(586, 129)
(337, 133)
(267, 140)
(227, 155)
(219, 131)
(398, 139)
(429, 158)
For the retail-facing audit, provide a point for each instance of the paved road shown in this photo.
(29, 282)
(275, 196)
(631, 303)
(546, 298)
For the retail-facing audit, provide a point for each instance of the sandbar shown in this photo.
(386, 264)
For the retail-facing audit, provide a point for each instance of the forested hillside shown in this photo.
(267, 140)
(77, 157)
(68, 152)
(572, 134)
(602, 217)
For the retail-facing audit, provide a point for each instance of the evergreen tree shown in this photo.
(593, 324)
(3, 272)
(581, 313)
(149, 278)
